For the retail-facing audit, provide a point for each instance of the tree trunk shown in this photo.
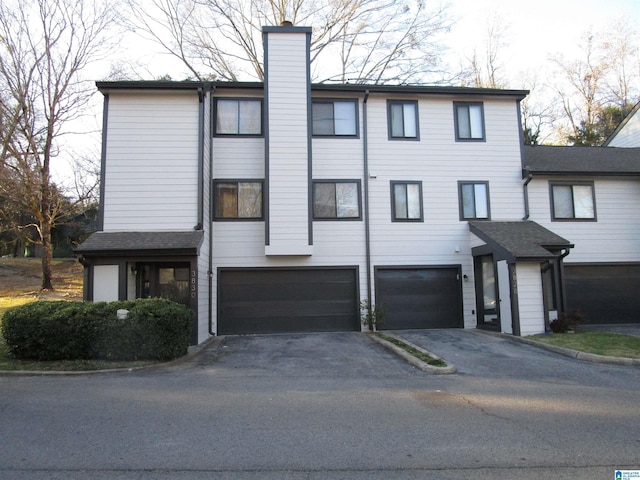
(47, 255)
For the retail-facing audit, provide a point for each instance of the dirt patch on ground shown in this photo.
(23, 277)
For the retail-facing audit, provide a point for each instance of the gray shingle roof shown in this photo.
(520, 240)
(608, 161)
(128, 243)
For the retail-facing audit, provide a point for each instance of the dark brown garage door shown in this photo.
(604, 294)
(287, 300)
(419, 297)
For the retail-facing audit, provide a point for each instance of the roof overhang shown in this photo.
(165, 85)
(520, 240)
(130, 244)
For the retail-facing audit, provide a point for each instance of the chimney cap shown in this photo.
(286, 23)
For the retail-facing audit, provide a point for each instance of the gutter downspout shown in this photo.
(563, 297)
(367, 229)
(525, 192)
(200, 219)
(210, 270)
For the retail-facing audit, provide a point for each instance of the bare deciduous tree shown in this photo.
(596, 90)
(372, 41)
(44, 47)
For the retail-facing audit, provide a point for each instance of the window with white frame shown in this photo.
(403, 119)
(573, 201)
(334, 117)
(474, 200)
(469, 121)
(336, 199)
(406, 201)
(240, 116)
(237, 199)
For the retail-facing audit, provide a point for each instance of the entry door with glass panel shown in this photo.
(487, 292)
(170, 281)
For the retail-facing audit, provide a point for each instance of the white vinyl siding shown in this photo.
(530, 301)
(288, 175)
(151, 176)
(629, 134)
(613, 237)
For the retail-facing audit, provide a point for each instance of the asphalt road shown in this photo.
(329, 406)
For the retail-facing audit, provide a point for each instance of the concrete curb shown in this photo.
(192, 352)
(416, 362)
(567, 352)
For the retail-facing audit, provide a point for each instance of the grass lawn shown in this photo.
(600, 343)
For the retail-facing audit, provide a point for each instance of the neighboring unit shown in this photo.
(280, 206)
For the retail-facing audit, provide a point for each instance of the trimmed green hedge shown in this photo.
(155, 329)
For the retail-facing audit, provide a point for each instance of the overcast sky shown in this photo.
(536, 29)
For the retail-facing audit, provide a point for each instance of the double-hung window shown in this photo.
(474, 200)
(573, 201)
(403, 120)
(238, 116)
(237, 199)
(335, 118)
(469, 121)
(406, 201)
(336, 199)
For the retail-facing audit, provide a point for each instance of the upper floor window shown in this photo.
(237, 199)
(403, 119)
(335, 117)
(406, 201)
(573, 201)
(469, 119)
(474, 200)
(242, 116)
(336, 199)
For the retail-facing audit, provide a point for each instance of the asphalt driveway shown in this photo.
(328, 406)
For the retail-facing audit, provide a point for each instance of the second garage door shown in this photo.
(604, 294)
(419, 297)
(287, 300)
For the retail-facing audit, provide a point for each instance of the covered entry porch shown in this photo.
(519, 276)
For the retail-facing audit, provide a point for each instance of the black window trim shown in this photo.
(214, 118)
(393, 183)
(461, 205)
(332, 101)
(357, 181)
(216, 181)
(456, 104)
(569, 183)
(391, 102)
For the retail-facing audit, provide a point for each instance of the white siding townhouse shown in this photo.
(280, 206)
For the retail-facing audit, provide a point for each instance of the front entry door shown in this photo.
(504, 293)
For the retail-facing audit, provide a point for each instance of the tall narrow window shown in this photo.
(573, 201)
(406, 201)
(238, 117)
(336, 200)
(237, 200)
(488, 283)
(403, 119)
(335, 117)
(474, 200)
(469, 120)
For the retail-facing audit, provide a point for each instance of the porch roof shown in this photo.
(520, 240)
(141, 243)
